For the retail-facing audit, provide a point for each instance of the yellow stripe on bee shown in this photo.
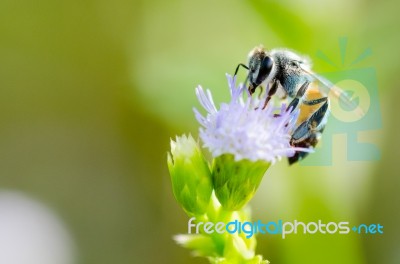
(306, 111)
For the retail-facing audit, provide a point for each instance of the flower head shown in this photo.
(244, 128)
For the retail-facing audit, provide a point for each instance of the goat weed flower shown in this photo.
(244, 139)
(243, 128)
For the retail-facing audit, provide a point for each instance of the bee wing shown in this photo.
(329, 88)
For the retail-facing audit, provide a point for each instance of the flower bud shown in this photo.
(190, 175)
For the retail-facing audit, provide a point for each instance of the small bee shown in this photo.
(289, 75)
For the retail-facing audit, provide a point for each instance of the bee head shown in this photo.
(260, 66)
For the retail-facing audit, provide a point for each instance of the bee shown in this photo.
(288, 74)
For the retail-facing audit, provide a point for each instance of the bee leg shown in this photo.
(261, 91)
(308, 133)
(251, 89)
(312, 124)
(271, 92)
(300, 93)
(311, 141)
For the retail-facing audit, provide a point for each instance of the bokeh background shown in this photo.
(92, 91)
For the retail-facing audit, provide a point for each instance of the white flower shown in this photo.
(242, 128)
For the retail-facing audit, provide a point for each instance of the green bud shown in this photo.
(190, 175)
(235, 182)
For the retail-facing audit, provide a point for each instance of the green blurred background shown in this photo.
(92, 91)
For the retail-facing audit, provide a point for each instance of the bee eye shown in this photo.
(266, 66)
